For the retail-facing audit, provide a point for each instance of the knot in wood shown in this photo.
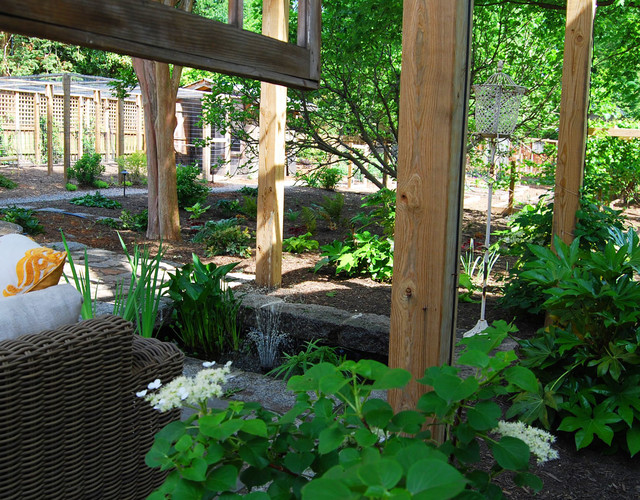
(408, 292)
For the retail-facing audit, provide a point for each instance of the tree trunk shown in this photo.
(159, 86)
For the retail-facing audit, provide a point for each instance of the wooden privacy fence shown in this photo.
(32, 119)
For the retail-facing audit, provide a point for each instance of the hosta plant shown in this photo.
(300, 244)
(339, 442)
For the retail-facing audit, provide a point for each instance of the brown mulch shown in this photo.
(589, 474)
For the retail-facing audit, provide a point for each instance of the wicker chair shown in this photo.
(71, 426)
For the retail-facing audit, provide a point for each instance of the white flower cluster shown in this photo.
(538, 440)
(183, 391)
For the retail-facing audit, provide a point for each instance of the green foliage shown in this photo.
(300, 244)
(366, 254)
(137, 222)
(292, 215)
(136, 166)
(206, 310)
(191, 190)
(140, 300)
(87, 169)
(613, 169)
(313, 354)
(23, 217)
(224, 237)
(228, 207)
(95, 200)
(340, 442)
(249, 191)
(323, 177)
(382, 205)
(330, 209)
(70, 187)
(7, 183)
(309, 219)
(588, 360)
(532, 226)
(249, 207)
(82, 282)
(197, 210)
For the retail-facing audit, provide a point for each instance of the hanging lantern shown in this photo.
(497, 105)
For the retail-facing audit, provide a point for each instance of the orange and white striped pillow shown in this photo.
(26, 266)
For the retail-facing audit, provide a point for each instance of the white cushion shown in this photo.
(26, 266)
(40, 310)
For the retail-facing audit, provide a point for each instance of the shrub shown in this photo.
(588, 360)
(228, 207)
(70, 187)
(323, 177)
(87, 169)
(7, 183)
(136, 166)
(383, 211)
(191, 190)
(309, 219)
(339, 442)
(249, 191)
(300, 244)
(365, 254)
(224, 237)
(292, 215)
(249, 207)
(330, 209)
(206, 310)
(134, 221)
(95, 200)
(23, 217)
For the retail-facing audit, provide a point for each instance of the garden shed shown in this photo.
(30, 106)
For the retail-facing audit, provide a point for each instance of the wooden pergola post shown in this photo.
(574, 102)
(120, 132)
(206, 153)
(66, 122)
(434, 90)
(80, 125)
(98, 120)
(36, 127)
(272, 158)
(17, 131)
(139, 118)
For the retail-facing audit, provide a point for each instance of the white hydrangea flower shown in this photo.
(538, 440)
(155, 384)
(141, 393)
(208, 364)
(183, 391)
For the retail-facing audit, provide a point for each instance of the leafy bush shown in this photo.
(224, 237)
(136, 166)
(95, 200)
(532, 226)
(87, 169)
(365, 254)
(612, 169)
(298, 364)
(7, 183)
(249, 207)
(339, 442)
(197, 210)
(137, 222)
(382, 214)
(228, 207)
(588, 360)
(292, 215)
(101, 184)
(206, 310)
(249, 191)
(23, 217)
(191, 190)
(309, 219)
(70, 187)
(330, 209)
(323, 177)
(300, 244)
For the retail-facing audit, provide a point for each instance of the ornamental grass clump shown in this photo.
(339, 442)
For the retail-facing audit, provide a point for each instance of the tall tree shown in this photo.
(159, 83)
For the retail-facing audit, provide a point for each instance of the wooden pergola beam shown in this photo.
(572, 135)
(434, 90)
(154, 31)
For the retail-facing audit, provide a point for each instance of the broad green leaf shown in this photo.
(511, 453)
(255, 453)
(377, 412)
(255, 426)
(326, 489)
(365, 437)
(453, 388)
(395, 378)
(527, 479)
(407, 421)
(210, 423)
(633, 439)
(187, 490)
(298, 462)
(329, 440)
(386, 473)
(484, 416)
(222, 479)
(474, 358)
(431, 403)
(197, 471)
(184, 443)
(522, 377)
(434, 479)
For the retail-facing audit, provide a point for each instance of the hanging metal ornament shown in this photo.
(497, 105)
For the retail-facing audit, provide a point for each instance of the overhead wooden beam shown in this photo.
(434, 89)
(153, 31)
(572, 133)
(272, 158)
(629, 133)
